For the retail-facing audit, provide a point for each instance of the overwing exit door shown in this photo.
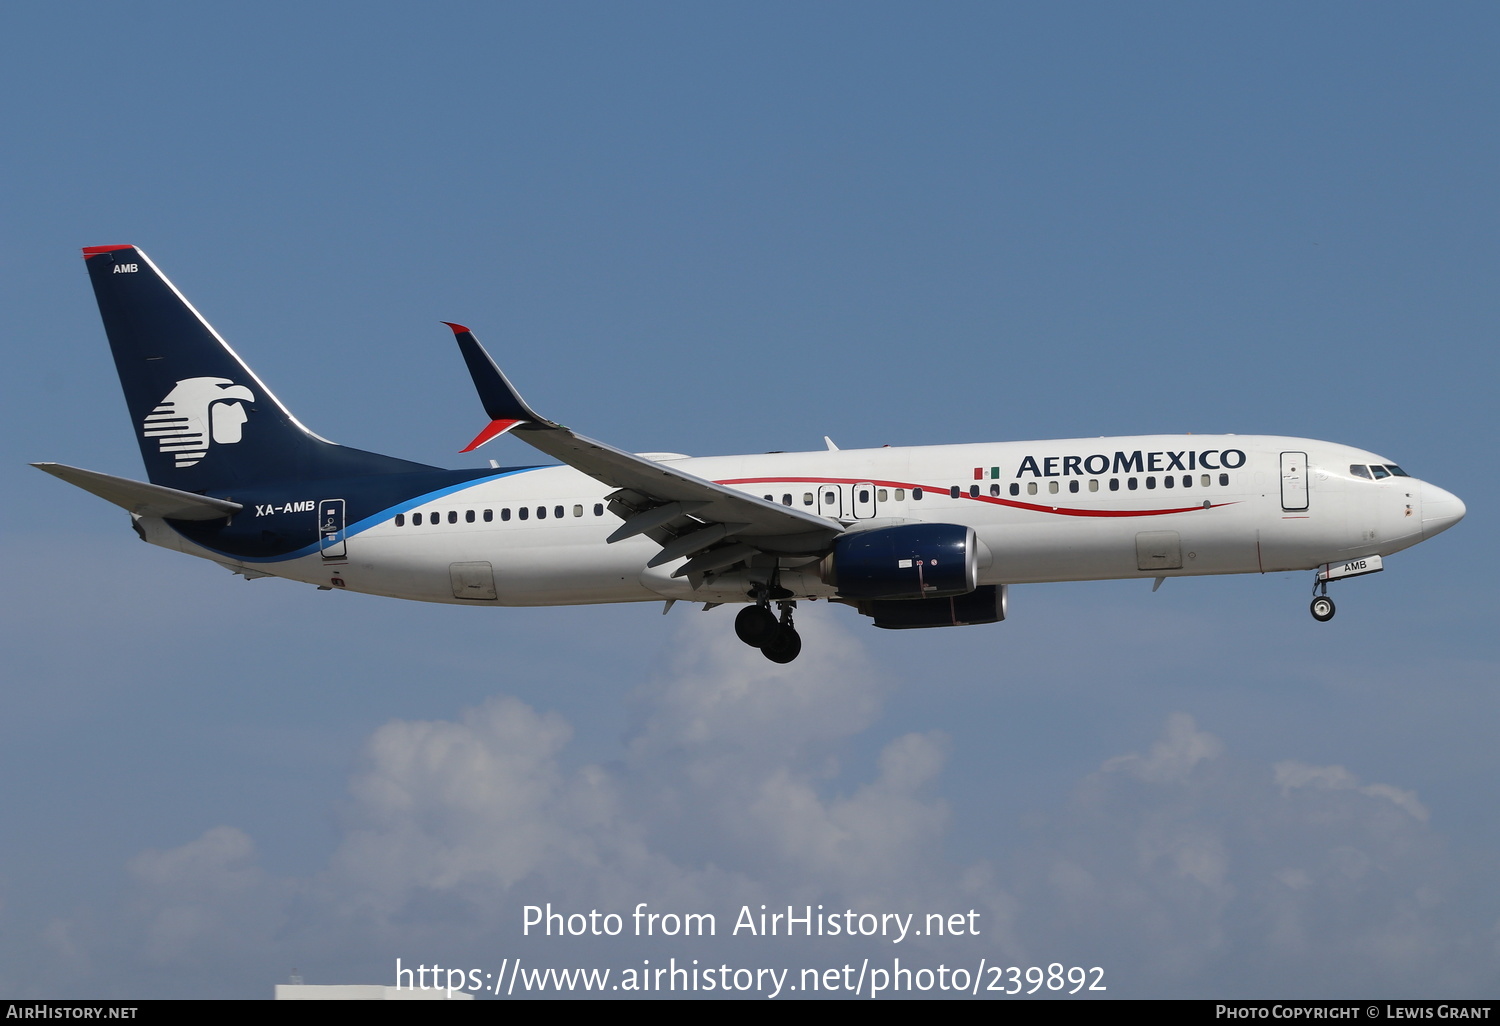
(831, 500)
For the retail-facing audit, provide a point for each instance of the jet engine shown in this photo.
(909, 561)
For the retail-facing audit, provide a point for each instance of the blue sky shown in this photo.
(735, 228)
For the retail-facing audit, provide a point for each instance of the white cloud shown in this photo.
(1179, 870)
(732, 780)
(1173, 758)
(1183, 867)
(1291, 774)
(194, 901)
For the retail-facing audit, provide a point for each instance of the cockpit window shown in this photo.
(1396, 470)
(1360, 470)
(1379, 471)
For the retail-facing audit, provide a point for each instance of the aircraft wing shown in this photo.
(142, 499)
(687, 515)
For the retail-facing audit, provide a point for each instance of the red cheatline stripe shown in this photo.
(494, 429)
(1065, 511)
(89, 251)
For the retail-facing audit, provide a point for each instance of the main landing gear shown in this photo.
(759, 628)
(1322, 606)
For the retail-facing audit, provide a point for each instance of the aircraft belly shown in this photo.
(1094, 549)
(571, 574)
(1299, 541)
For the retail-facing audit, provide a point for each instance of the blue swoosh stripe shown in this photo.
(370, 521)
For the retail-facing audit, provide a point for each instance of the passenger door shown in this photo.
(1294, 482)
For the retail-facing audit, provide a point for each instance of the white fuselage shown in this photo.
(1061, 510)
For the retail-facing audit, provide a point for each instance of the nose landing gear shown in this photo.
(1322, 606)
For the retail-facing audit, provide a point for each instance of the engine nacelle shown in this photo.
(910, 561)
(982, 605)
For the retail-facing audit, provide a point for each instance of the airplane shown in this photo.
(911, 537)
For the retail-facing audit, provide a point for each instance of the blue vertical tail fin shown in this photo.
(204, 420)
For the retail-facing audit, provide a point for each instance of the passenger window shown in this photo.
(916, 493)
(1052, 487)
(1130, 483)
(505, 513)
(881, 495)
(1187, 480)
(1093, 484)
(1169, 482)
(523, 512)
(807, 498)
(541, 512)
(416, 520)
(900, 494)
(1073, 485)
(1015, 489)
(1360, 470)
(468, 516)
(598, 509)
(1150, 482)
(953, 491)
(994, 489)
(578, 509)
(557, 511)
(1030, 487)
(1207, 480)
(489, 516)
(1224, 480)
(453, 516)
(400, 519)
(973, 491)
(786, 500)
(434, 517)
(1114, 484)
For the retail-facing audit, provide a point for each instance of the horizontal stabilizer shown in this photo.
(147, 500)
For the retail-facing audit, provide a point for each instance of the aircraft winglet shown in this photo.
(501, 400)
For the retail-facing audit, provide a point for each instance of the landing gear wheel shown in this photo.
(754, 625)
(1322, 609)
(783, 645)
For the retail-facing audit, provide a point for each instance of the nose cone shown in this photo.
(1440, 510)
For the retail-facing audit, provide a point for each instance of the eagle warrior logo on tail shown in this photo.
(195, 414)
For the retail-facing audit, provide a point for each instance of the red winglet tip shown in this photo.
(458, 329)
(89, 251)
(493, 429)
